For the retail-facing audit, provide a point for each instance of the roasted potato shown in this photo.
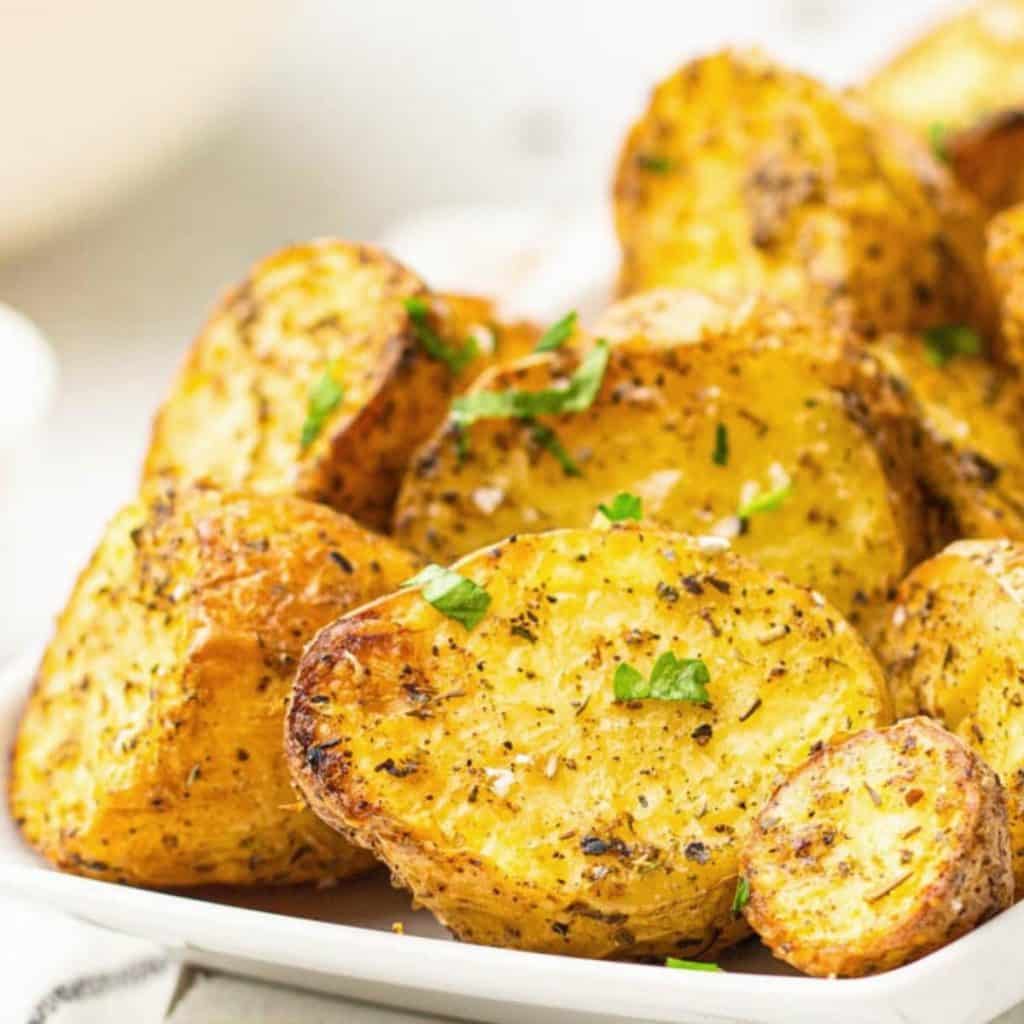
(877, 851)
(1005, 256)
(497, 775)
(313, 377)
(954, 648)
(971, 452)
(150, 750)
(756, 414)
(961, 85)
(745, 177)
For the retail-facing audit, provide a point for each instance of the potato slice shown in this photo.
(496, 774)
(954, 648)
(150, 749)
(1005, 256)
(743, 177)
(971, 456)
(238, 413)
(961, 84)
(877, 851)
(833, 444)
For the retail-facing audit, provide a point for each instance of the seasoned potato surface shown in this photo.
(1005, 256)
(877, 851)
(150, 749)
(497, 775)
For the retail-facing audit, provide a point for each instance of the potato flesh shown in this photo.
(613, 827)
(878, 850)
(652, 432)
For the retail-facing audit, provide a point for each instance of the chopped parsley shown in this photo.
(720, 453)
(324, 397)
(655, 163)
(766, 501)
(741, 897)
(623, 506)
(557, 334)
(672, 678)
(937, 135)
(456, 359)
(547, 439)
(451, 594)
(945, 342)
(690, 965)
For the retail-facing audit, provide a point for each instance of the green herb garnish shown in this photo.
(547, 439)
(451, 594)
(949, 340)
(456, 359)
(720, 454)
(557, 334)
(324, 397)
(768, 501)
(655, 163)
(672, 678)
(741, 897)
(623, 506)
(937, 136)
(690, 965)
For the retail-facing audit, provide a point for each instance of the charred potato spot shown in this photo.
(150, 749)
(768, 182)
(954, 648)
(831, 425)
(507, 789)
(877, 851)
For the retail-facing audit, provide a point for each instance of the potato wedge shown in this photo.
(877, 851)
(832, 443)
(971, 453)
(498, 777)
(954, 648)
(743, 177)
(150, 749)
(962, 85)
(238, 414)
(1005, 257)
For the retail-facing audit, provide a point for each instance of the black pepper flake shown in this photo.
(701, 734)
(342, 562)
(692, 585)
(399, 771)
(518, 629)
(242, 754)
(753, 707)
(722, 586)
(697, 852)
(667, 593)
(559, 928)
(595, 846)
(315, 754)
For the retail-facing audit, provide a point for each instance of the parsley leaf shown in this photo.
(741, 897)
(690, 965)
(672, 678)
(937, 133)
(575, 396)
(949, 340)
(767, 501)
(451, 594)
(623, 506)
(720, 454)
(456, 359)
(324, 397)
(547, 439)
(557, 334)
(655, 163)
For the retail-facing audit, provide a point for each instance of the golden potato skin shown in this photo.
(150, 748)
(1005, 258)
(877, 851)
(964, 81)
(744, 177)
(850, 528)
(971, 451)
(235, 414)
(954, 649)
(496, 776)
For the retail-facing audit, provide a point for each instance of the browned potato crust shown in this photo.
(1005, 257)
(850, 525)
(235, 414)
(496, 340)
(743, 177)
(954, 648)
(877, 851)
(498, 778)
(150, 749)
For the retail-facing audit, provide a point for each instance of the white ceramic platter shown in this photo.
(340, 941)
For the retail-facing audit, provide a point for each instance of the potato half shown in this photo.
(150, 748)
(954, 648)
(696, 430)
(1005, 257)
(742, 177)
(238, 412)
(497, 775)
(877, 851)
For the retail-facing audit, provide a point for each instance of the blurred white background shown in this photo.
(346, 118)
